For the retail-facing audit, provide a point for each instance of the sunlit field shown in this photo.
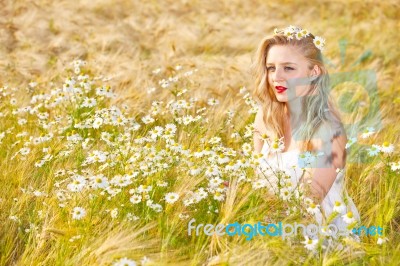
(121, 121)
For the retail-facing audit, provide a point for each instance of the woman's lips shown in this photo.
(280, 89)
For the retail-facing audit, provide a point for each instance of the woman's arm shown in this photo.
(323, 172)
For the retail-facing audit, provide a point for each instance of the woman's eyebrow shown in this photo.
(284, 63)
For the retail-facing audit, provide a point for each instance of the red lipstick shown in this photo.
(280, 89)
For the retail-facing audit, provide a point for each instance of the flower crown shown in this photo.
(299, 33)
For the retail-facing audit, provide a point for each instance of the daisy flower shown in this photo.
(285, 193)
(135, 198)
(124, 262)
(387, 147)
(277, 146)
(350, 142)
(212, 101)
(260, 183)
(170, 129)
(24, 151)
(195, 170)
(380, 240)
(319, 42)
(339, 207)
(367, 132)
(97, 122)
(171, 197)
(313, 209)
(308, 201)
(326, 231)
(309, 243)
(147, 119)
(288, 33)
(349, 218)
(114, 213)
(264, 137)
(305, 32)
(78, 213)
(219, 196)
(299, 35)
(99, 181)
(394, 166)
(246, 148)
(13, 101)
(156, 132)
(215, 181)
(374, 150)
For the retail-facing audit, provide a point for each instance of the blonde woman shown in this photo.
(297, 119)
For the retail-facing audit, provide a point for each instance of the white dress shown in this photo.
(291, 163)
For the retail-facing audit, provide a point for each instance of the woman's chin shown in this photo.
(281, 98)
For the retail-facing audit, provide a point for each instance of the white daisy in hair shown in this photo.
(288, 33)
(319, 42)
(305, 32)
(299, 35)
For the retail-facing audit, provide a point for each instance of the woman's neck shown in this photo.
(294, 112)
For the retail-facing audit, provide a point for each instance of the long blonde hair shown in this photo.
(316, 104)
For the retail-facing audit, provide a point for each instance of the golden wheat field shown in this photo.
(121, 121)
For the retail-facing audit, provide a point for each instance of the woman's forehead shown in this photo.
(284, 54)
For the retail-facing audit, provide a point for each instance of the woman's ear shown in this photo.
(316, 71)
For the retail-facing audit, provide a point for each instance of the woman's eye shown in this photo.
(273, 68)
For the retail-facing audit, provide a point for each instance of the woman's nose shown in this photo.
(278, 75)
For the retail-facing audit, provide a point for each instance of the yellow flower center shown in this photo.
(318, 42)
(350, 214)
(275, 146)
(337, 203)
(386, 144)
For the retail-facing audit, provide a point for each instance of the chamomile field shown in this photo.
(122, 121)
